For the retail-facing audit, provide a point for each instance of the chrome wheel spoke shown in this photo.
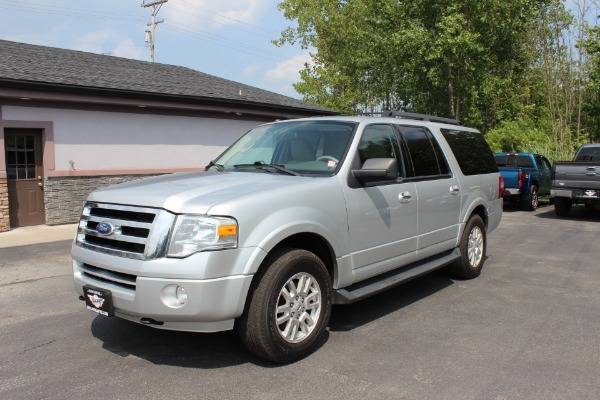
(298, 307)
(475, 246)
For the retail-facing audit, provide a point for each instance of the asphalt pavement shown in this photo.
(528, 328)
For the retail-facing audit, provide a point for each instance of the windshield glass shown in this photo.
(512, 160)
(304, 147)
(589, 154)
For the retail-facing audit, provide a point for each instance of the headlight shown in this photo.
(194, 233)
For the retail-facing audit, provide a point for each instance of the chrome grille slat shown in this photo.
(122, 207)
(121, 222)
(115, 236)
(114, 252)
(132, 230)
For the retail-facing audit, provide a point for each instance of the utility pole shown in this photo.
(154, 6)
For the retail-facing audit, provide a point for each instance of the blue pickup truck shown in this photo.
(526, 177)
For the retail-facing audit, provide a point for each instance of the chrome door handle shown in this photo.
(454, 189)
(405, 197)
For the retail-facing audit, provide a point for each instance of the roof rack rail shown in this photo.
(420, 117)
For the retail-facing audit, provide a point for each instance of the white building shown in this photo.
(72, 121)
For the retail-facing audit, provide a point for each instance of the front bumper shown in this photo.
(212, 303)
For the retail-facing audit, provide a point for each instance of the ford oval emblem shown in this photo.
(105, 228)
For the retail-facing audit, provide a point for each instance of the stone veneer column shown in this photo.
(4, 215)
(64, 196)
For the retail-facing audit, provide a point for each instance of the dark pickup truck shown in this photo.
(577, 181)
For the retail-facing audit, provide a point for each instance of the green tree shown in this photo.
(465, 59)
(592, 98)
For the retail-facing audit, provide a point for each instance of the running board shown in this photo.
(377, 284)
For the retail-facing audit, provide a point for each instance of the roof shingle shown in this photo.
(41, 64)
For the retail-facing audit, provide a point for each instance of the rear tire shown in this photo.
(263, 328)
(531, 201)
(562, 206)
(473, 246)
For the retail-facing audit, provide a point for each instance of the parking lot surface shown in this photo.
(528, 328)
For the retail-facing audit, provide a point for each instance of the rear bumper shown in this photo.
(511, 192)
(588, 195)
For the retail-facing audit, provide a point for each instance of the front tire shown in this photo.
(562, 206)
(289, 309)
(473, 246)
(531, 201)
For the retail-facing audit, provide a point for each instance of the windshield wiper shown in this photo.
(264, 166)
(219, 167)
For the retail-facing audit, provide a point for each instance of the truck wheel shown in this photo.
(472, 247)
(562, 206)
(531, 201)
(289, 309)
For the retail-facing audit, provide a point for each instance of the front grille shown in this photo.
(126, 281)
(130, 229)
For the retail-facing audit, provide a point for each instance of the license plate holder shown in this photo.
(98, 300)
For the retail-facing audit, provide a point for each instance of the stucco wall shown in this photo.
(96, 140)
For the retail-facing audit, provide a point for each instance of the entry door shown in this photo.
(24, 174)
(383, 218)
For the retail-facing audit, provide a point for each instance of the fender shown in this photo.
(478, 201)
(272, 231)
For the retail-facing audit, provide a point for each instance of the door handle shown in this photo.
(454, 189)
(405, 197)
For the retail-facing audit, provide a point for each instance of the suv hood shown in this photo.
(193, 192)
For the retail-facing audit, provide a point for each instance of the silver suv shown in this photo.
(294, 217)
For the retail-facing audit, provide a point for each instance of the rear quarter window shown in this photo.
(589, 154)
(471, 151)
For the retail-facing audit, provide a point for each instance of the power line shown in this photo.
(183, 29)
(254, 28)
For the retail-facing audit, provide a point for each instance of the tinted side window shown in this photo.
(547, 164)
(422, 152)
(378, 141)
(471, 151)
(588, 154)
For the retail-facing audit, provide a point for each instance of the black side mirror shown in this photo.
(377, 170)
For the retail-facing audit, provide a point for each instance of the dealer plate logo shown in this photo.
(96, 300)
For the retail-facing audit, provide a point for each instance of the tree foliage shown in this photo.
(526, 71)
(456, 58)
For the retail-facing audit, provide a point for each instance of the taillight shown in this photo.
(520, 179)
(500, 187)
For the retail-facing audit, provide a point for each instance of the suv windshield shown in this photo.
(591, 153)
(300, 147)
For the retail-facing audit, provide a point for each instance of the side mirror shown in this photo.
(377, 170)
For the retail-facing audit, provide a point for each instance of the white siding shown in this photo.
(111, 140)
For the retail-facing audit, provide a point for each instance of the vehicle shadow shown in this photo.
(578, 213)
(162, 347)
(221, 350)
(513, 206)
(348, 317)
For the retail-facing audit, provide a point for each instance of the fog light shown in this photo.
(181, 295)
(174, 296)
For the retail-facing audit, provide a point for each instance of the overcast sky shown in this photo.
(228, 38)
